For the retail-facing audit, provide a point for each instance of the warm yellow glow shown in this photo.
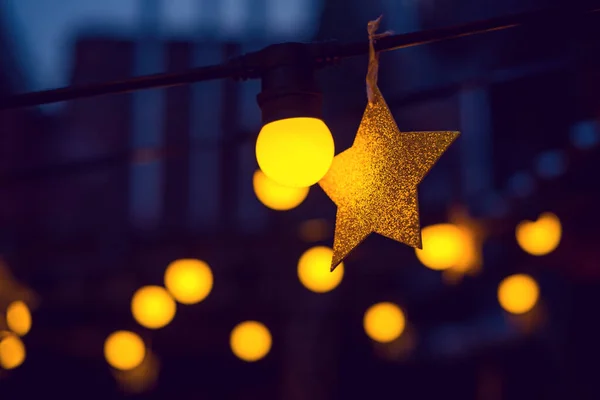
(470, 258)
(444, 246)
(140, 379)
(276, 196)
(384, 322)
(153, 307)
(539, 237)
(295, 152)
(517, 294)
(314, 270)
(189, 281)
(250, 341)
(12, 351)
(124, 350)
(18, 318)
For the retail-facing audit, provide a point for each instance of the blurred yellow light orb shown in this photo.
(250, 341)
(295, 152)
(12, 351)
(188, 280)
(314, 270)
(153, 307)
(124, 350)
(444, 246)
(276, 196)
(539, 237)
(18, 318)
(384, 322)
(518, 294)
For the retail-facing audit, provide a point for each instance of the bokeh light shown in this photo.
(584, 135)
(188, 280)
(315, 230)
(521, 184)
(518, 294)
(18, 318)
(295, 152)
(444, 246)
(276, 196)
(250, 341)
(551, 164)
(140, 379)
(539, 237)
(384, 322)
(12, 351)
(314, 270)
(153, 307)
(124, 350)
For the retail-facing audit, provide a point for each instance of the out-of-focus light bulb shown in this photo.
(124, 350)
(18, 318)
(518, 293)
(153, 307)
(295, 152)
(539, 237)
(314, 270)
(12, 351)
(384, 322)
(189, 281)
(276, 196)
(250, 341)
(444, 246)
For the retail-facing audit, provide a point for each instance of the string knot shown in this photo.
(373, 69)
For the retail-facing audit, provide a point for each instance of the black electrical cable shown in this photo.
(252, 65)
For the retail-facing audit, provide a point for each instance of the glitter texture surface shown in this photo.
(374, 183)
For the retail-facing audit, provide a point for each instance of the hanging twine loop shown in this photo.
(373, 69)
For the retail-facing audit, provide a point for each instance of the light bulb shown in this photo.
(189, 281)
(539, 237)
(12, 351)
(314, 270)
(18, 318)
(444, 246)
(295, 152)
(276, 196)
(518, 293)
(124, 350)
(250, 341)
(384, 322)
(153, 307)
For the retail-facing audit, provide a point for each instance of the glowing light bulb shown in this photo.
(189, 281)
(444, 246)
(153, 307)
(276, 196)
(250, 341)
(295, 152)
(539, 237)
(12, 351)
(518, 294)
(314, 270)
(124, 350)
(384, 322)
(18, 318)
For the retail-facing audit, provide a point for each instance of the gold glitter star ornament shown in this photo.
(374, 182)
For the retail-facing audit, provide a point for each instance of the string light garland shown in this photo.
(257, 64)
(316, 55)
